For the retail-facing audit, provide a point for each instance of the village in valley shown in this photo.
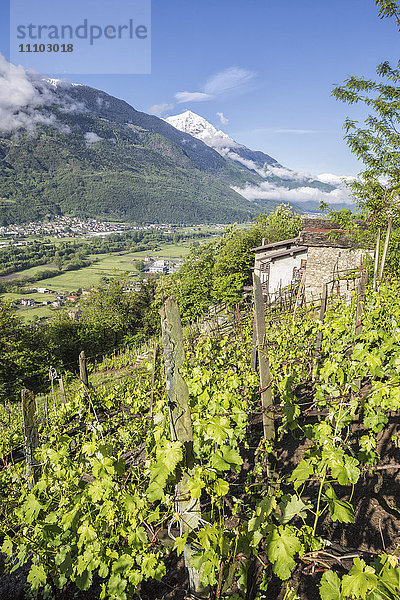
(69, 227)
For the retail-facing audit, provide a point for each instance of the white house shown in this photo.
(279, 264)
(27, 302)
(158, 266)
(325, 252)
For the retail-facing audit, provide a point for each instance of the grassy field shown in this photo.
(28, 272)
(106, 265)
(33, 295)
(28, 313)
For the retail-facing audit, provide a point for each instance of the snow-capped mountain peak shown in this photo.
(198, 127)
(195, 125)
(275, 179)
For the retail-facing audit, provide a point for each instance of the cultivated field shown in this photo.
(106, 265)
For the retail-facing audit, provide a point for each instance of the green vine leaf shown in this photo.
(282, 545)
(360, 580)
(37, 577)
(348, 472)
(330, 586)
(293, 507)
(340, 510)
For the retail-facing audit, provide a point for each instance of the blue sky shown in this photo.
(268, 66)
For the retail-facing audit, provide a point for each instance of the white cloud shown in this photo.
(19, 97)
(270, 170)
(284, 173)
(228, 81)
(91, 138)
(25, 97)
(159, 109)
(192, 97)
(333, 179)
(269, 191)
(222, 118)
(250, 164)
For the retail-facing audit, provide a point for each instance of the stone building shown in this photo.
(279, 265)
(322, 249)
(332, 257)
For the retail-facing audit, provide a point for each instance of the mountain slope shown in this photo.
(195, 125)
(275, 182)
(90, 154)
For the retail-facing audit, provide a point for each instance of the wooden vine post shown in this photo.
(31, 437)
(83, 374)
(299, 293)
(385, 249)
(359, 311)
(181, 429)
(253, 362)
(376, 260)
(265, 375)
(153, 379)
(360, 303)
(324, 299)
(62, 391)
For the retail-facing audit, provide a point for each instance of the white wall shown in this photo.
(281, 270)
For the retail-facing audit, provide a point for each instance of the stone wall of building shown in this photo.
(311, 223)
(333, 238)
(323, 265)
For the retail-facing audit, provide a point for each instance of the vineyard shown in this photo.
(278, 478)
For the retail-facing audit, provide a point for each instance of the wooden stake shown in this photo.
(376, 263)
(385, 249)
(46, 410)
(253, 362)
(265, 375)
(360, 304)
(301, 286)
(83, 369)
(239, 322)
(181, 429)
(62, 391)
(31, 436)
(322, 311)
(153, 378)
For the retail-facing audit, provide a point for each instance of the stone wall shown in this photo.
(323, 263)
(329, 239)
(308, 223)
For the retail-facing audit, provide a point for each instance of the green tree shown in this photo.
(113, 313)
(377, 140)
(234, 257)
(24, 357)
(192, 285)
(389, 8)
(281, 224)
(139, 265)
(217, 271)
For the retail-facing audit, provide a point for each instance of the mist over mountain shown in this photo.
(71, 149)
(277, 183)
